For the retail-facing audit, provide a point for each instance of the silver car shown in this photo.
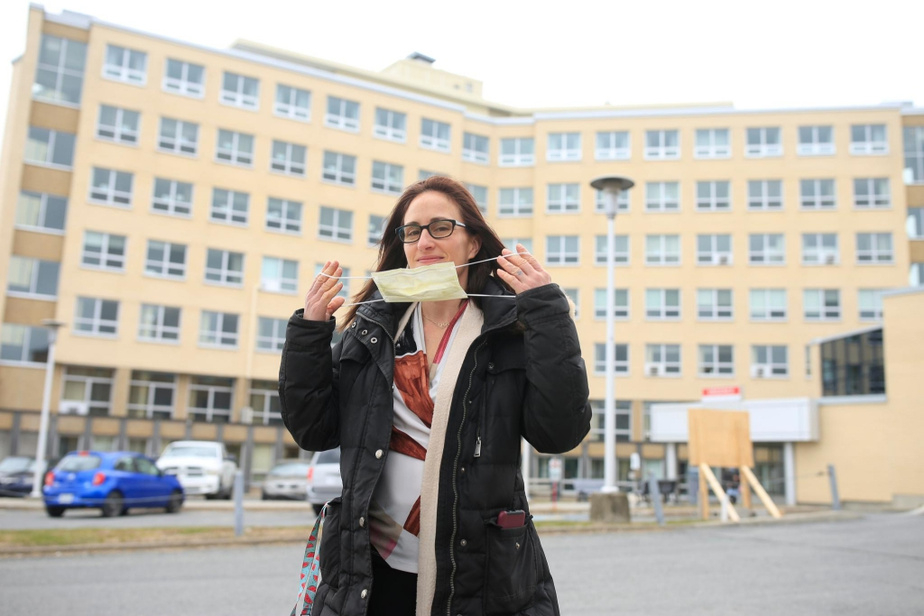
(324, 481)
(286, 480)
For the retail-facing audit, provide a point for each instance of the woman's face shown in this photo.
(458, 248)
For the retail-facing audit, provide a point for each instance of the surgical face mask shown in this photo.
(429, 283)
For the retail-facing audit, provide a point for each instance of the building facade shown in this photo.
(171, 203)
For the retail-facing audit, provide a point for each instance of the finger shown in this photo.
(334, 304)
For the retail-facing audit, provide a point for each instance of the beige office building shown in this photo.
(170, 204)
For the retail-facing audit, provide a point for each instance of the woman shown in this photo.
(428, 401)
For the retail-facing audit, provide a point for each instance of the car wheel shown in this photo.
(54, 511)
(228, 493)
(175, 502)
(264, 496)
(317, 508)
(114, 504)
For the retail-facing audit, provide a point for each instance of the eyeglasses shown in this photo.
(438, 229)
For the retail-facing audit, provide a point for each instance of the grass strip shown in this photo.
(110, 536)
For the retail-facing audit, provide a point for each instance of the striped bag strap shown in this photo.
(311, 569)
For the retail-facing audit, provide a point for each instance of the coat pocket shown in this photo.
(511, 571)
(330, 545)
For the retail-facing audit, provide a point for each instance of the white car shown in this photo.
(324, 482)
(202, 467)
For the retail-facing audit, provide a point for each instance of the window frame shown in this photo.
(826, 311)
(870, 197)
(171, 204)
(612, 151)
(663, 304)
(662, 202)
(620, 258)
(183, 85)
(287, 285)
(564, 202)
(342, 114)
(61, 71)
(340, 175)
(36, 268)
(94, 325)
(519, 156)
(875, 253)
(472, 151)
(825, 255)
(42, 217)
(387, 178)
(665, 258)
(50, 144)
(289, 164)
(118, 132)
(869, 146)
(108, 261)
(771, 367)
(563, 250)
(814, 146)
(227, 210)
(566, 150)
(710, 150)
(816, 198)
(179, 141)
(394, 127)
(719, 304)
(771, 252)
(284, 221)
(763, 146)
(238, 95)
(715, 255)
(273, 342)
(166, 265)
(224, 275)
(290, 109)
(123, 71)
(664, 150)
(334, 231)
(431, 136)
(521, 202)
(161, 331)
(622, 304)
(657, 354)
(765, 202)
(775, 305)
(621, 366)
(235, 154)
(714, 366)
(218, 333)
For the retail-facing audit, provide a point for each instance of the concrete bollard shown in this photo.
(238, 504)
(610, 508)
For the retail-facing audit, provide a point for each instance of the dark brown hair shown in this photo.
(391, 249)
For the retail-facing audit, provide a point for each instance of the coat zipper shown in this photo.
(455, 487)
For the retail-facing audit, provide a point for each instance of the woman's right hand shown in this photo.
(321, 301)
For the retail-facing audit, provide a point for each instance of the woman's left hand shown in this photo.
(521, 270)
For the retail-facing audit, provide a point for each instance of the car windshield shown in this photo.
(194, 451)
(75, 462)
(290, 469)
(328, 457)
(16, 465)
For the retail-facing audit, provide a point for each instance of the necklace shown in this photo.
(440, 324)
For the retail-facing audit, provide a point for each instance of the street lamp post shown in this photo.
(610, 186)
(40, 449)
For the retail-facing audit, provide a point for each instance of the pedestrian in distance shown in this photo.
(428, 396)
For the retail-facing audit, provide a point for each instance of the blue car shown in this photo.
(110, 481)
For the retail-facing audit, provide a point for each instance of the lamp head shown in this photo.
(611, 186)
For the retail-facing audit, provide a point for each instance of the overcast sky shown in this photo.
(805, 53)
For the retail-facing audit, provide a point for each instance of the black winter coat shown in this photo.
(523, 376)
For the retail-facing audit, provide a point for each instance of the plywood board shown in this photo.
(720, 438)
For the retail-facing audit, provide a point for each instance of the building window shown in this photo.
(714, 305)
(871, 193)
(91, 388)
(511, 243)
(765, 194)
(151, 395)
(563, 250)
(662, 250)
(714, 249)
(342, 114)
(218, 329)
(434, 135)
(271, 334)
(111, 187)
(41, 212)
(623, 430)
(475, 148)
(713, 196)
(769, 361)
(283, 215)
(868, 139)
(853, 365)
(575, 296)
(621, 363)
(229, 207)
(766, 249)
(662, 196)
(423, 174)
(480, 194)
(210, 398)
(820, 249)
(235, 148)
(96, 317)
(768, 304)
(184, 78)
(563, 147)
(33, 278)
(517, 152)
(49, 148)
(339, 168)
(914, 152)
(620, 249)
(622, 202)
(612, 145)
(165, 260)
(817, 195)
(159, 323)
(763, 142)
(662, 360)
(335, 224)
(390, 125)
(387, 178)
(620, 304)
(870, 304)
(178, 137)
(172, 197)
(376, 230)
(716, 360)
(662, 144)
(816, 141)
(103, 251)
(515, 202)
(914, 223)
(279, 275)
(23, 344)
(662, 304)
(712, 143)
(240, 91)
(874, 248)
(821, 304)
(293, 103)
(224, 267)
(117, 125)
(289, 158)
(563, 198)
(264, 400)
(59, 75)
(128, 65)
(916, 275)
